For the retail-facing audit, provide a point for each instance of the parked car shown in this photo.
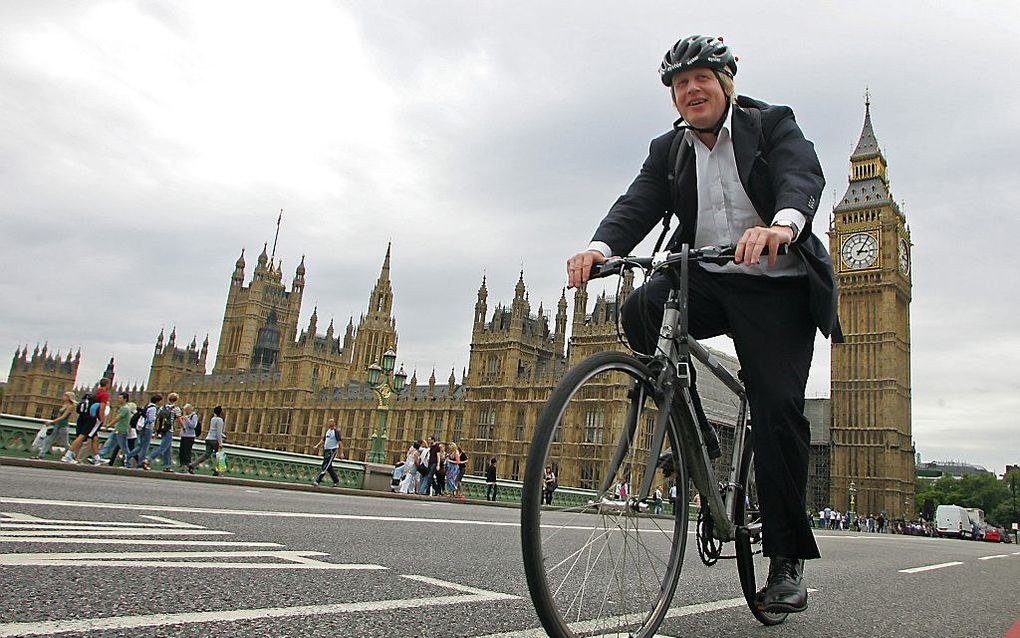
(993, 535)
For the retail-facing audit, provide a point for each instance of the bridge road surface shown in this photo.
(107, 555)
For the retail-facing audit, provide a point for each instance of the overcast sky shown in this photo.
(144, 144)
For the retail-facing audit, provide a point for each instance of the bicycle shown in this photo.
(608, 563)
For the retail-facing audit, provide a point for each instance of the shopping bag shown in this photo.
(221, 462)
(39, 438)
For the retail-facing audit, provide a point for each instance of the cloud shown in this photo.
(143, 145)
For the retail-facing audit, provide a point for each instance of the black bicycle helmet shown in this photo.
(697, 51)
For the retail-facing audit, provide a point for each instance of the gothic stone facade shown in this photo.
(871, 427)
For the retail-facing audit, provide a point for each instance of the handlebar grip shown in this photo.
(606, 269)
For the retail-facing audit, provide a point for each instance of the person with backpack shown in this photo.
(167, 418)
(213, 442)
(120, 423)
(57, 426)
(332, 445)
(143, 425)
(191, 429)
(737, 171)
(91, 412)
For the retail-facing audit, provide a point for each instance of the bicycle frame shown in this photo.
(672, 365)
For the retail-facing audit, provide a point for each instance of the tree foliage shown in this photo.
(1000, 499)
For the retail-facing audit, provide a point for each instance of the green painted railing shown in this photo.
(18, 432)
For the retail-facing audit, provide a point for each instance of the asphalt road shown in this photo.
(133, 556)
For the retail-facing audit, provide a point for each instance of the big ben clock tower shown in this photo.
(872, 450)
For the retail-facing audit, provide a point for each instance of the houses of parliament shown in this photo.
(279, 382)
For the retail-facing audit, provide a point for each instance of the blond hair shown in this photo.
(172, 397)
(726, 81)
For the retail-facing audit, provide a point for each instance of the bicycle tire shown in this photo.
(541, 548)
(748, 519)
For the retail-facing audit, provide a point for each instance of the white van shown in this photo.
(977, 521)
(953, 521)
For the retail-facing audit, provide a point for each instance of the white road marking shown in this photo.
(252, 491)
(17, 519)
(295, 560)
(915, 570)
(991, 557)
(90, 531)
(1016, 553)
(128, 541)
(51, 627)
(265, 513)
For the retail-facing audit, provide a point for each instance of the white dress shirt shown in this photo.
(725, 211)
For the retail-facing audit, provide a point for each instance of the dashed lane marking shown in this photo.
(926, 568)
(52, 627)
(995, 556)
(294, 560)
(99, 531)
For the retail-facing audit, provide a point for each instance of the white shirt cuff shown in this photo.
(792, 215)
(606, 251)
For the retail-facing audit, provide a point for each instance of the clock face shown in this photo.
(860, 250)
(904, 250)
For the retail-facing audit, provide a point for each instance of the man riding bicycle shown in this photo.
(737, 171)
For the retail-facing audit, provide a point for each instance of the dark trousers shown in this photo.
(773, 333)
(490, 491)
(212, 446)
(327, 466)
(184, 451)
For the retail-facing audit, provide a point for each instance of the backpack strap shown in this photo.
(675, 161)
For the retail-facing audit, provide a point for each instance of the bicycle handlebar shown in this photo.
(720, 255)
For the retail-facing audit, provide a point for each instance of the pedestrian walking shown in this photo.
(120, 422)
(490, 480)
(429, 460)
(91, 411)
(549, 485)
(453, 468)
(458, 489)
(411, 462)
(657, 501)
(332, 445)
(167, 418)
(56, 428)
(189, 430)
(439, 479)
(144, 426)
(672, 499)
(213, 442)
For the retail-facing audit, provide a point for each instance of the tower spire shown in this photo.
(277, 237)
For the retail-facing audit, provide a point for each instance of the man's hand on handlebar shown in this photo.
(579, 267)
(754, 240)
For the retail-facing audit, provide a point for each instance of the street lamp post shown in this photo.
(384, 384)
(853, 499)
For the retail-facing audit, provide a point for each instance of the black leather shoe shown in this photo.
(785, 591)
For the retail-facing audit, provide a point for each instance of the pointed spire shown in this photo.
(329, 330)
(264, 256)
(301, 267)
(45, 348)
(867, 144)
(519, 291)
(194, 343)
(452, 381)
(240, 261)
(386, 261)
(77, 355)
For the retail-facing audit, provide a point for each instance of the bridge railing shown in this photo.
(18, 432)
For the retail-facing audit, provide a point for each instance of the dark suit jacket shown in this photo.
(778, 169)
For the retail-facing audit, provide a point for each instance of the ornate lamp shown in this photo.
(389, 358)
(374, 374)
(399, 379)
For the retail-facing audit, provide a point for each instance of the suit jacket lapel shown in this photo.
(746, 133)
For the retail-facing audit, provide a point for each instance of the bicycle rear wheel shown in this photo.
(597, 559)
(752, 566)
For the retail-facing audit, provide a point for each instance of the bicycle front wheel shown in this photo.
(598, 557)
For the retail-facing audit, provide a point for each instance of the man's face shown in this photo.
(698, 97)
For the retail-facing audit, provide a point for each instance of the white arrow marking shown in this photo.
(161, 620)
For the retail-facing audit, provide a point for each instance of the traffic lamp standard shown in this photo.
(384, 384)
